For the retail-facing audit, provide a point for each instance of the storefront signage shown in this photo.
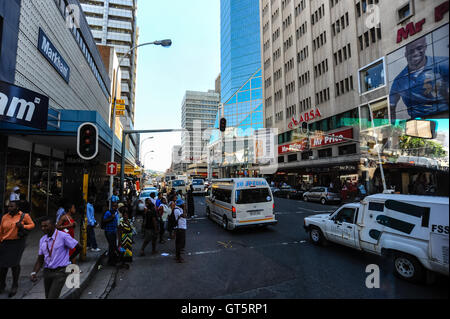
(440, 11)
(52, 55)
(333, 138)
(305, 117)
(410, 29)
(293, 147)
(22, 106)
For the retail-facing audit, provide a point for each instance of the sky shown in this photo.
(165, 74)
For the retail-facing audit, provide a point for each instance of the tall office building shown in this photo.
(241, 84)
(333, 63)
(199, 111)
(113, 23)
(239, 44)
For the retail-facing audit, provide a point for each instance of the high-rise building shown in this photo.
(113, 23)
(240, 80)
(199, 111)
(333, 63)
(239, 44)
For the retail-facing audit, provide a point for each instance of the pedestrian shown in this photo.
(129, 206)
(12, 244)
(15, 194)
(150, 228)
(190, 203)
(60, 210)
(92, 223)
(125, 234)
(181, 226)
(115, 197)
(158, 201)
(24, 205)
(164, 212)
(362, 191)
(180, 194)
(111, 221)
(53, 255)
(171, 217)
(152, 199)
(67, 222)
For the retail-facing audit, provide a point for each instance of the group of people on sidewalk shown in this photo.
(160, 214)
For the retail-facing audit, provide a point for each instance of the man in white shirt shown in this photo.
(181, 226)
(15, 194)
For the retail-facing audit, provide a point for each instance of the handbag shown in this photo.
(22, 232)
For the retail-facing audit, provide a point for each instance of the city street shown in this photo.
(275, 262)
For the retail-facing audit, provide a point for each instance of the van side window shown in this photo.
(346, 215)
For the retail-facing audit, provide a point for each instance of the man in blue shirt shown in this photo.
(111, 220)
(115, 197)
(423, 85)
(91, 241)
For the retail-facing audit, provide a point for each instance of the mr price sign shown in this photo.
(111, 168)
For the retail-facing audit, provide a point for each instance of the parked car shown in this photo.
(274, 190)
(411, 229)
(321, 194)
(289, 193)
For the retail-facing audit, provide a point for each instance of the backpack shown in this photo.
(171, 220)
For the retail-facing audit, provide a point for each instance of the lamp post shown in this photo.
(142, 142)
(164, 43)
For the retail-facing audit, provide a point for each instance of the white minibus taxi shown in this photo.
(241, 202)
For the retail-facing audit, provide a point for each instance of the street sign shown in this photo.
(120, 107)
(119, 101)
(111, 168)
(120, 112)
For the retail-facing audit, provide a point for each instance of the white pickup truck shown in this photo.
(413, 229)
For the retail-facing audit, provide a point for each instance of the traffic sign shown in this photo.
(111, 168)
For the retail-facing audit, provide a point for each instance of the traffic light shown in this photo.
(223, 124)
(305, 129)
(87, 141)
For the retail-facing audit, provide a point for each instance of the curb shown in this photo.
(111, 284)
(75, 293)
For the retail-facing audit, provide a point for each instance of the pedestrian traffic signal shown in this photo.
(87, 141)
(223, 124)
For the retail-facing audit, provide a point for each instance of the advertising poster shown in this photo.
(418, 77)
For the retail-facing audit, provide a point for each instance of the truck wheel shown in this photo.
(323, 201)
(316, 236)
(288, 196)
(208, 212)
(407, 267)
(305, 198)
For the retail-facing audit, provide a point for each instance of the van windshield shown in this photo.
(254, 195)
(178, 183)
(197, 182)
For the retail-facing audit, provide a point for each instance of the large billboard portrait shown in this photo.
(418, 77)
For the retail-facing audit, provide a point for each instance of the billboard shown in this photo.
(418, 77)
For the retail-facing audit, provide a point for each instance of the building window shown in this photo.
(306, 155)
(347, 149)
(292, 158)
(372, 76)
(406, 11)
(280, 159)
(327, 152)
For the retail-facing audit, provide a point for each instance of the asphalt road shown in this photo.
(276, 262)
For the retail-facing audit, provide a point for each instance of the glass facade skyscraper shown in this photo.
(240, 44)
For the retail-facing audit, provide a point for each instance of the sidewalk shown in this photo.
(29, 290)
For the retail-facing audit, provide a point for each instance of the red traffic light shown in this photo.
(87, 141)
(223, 124)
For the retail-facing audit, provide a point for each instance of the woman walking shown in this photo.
(67, 223)
(12, 244)
(164, 211)
(125, 232)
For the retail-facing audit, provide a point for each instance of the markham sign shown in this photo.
(305, 117)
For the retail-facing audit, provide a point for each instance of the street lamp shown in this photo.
(142, 142)
(164, 43)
